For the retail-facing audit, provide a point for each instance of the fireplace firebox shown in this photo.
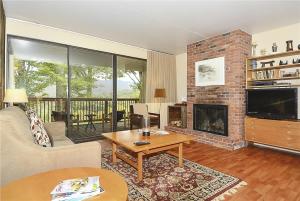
(211, 118)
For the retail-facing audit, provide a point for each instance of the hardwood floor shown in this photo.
(271, 175)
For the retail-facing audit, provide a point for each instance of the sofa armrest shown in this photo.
(78, 155)
(57, 128)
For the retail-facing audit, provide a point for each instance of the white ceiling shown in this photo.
(166, 26)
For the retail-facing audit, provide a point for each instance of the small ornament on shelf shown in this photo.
(289, 45)
(296, 61)
(254, 64)
(274, 47)
(263, 52)
(254, 45)
(299, 47)
(283, 63)
(263, 63)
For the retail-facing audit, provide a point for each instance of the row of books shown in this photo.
(77, 189)
(268, 74)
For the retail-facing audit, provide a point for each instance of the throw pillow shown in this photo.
(39, 133)
(31, 114)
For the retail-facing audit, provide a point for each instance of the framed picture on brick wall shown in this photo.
(210, 72)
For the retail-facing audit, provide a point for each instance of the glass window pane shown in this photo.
(91, 90)
(131, 85)
(40, 68)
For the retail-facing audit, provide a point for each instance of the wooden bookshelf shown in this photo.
(272, 86)
(279, 133)
(266, 72)
(271, 79)
(276, 55)
(275, 67)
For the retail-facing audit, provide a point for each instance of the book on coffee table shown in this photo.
(77, 189)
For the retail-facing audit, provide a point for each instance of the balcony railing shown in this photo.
(101, 107)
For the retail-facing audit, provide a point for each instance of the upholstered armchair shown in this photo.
(138, 112)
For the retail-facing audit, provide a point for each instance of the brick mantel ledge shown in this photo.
(211, 139)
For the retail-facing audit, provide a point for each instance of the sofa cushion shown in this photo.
(39, 133)
(64, 142)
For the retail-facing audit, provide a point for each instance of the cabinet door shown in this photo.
(293, 137)
(271, 132)
(249, 129)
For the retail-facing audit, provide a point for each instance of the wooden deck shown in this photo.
(83, 134)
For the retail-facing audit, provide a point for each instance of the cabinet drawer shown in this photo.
(271, 135)
(294, 125)
(293, 137)
(284, 134)
(249, 131)
(271, 123)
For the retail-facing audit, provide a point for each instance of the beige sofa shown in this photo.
(20, 157)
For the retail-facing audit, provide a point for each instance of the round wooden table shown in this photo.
(39, 186)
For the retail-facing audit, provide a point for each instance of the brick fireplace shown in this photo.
(235, 46)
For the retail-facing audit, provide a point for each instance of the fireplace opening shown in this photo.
(211, 118)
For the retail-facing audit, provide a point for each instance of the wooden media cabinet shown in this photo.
(279, 133)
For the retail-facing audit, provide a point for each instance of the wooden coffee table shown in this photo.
(158, 143)
(39, 186)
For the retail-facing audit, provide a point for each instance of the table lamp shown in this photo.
(15, 96)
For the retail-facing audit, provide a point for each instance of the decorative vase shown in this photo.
(254, 64)
(289, 45)
(274, 47)
(283, 63)
(254, 45)
(146, 127)
(263, 52)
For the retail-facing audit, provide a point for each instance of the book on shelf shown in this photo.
(77, 189)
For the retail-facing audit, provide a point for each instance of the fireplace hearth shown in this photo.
(211, 118)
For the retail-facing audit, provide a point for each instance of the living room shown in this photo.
(155, 100)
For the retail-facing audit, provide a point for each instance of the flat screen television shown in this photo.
(272, 103)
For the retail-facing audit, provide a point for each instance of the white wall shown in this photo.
(280, 35)
(42, 32)
(181, 71)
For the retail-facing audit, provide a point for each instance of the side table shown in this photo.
(39, 186)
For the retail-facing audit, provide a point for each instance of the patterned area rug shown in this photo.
(163, 180)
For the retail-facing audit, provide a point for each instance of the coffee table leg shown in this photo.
(140, 166)
(180, 160)
(114, 150)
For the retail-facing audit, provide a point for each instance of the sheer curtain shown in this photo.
(161, 73)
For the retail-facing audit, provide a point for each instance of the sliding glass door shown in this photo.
(90, 91)
(130, 88)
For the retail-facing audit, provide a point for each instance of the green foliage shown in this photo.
(36, 76)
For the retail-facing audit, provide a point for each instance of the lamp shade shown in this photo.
(160, 93)
(15, 96)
